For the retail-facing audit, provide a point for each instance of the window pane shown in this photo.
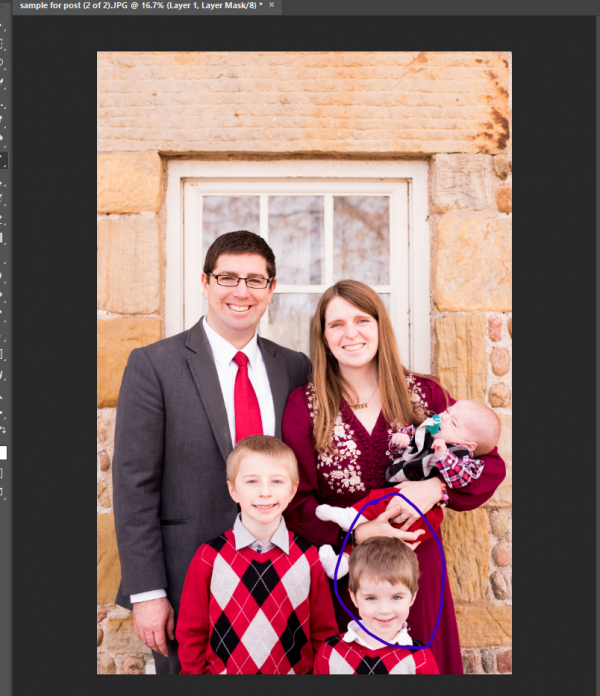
(361, 239)
(296, 235)
(387, 301)
(221, 214)
(289, 320)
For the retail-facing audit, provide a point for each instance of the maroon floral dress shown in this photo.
(342, 480)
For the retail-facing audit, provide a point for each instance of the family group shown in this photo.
(280, 516)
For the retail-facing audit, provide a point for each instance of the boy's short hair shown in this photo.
(266, 445)
(384, 558)
(238, 243)
(484, 426)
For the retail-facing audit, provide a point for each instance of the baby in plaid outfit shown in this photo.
(383, 582)
(255, 599)
(424, 451)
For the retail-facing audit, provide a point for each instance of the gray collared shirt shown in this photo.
(244, 538)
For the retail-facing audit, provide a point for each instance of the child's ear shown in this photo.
(353, 598)
(294, 489)
(414, 596)
(471, 445)
(232, 492)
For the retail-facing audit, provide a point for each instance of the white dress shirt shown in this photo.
(223, 353)
(243, 538)
(402, 637)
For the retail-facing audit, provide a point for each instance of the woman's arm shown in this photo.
(300, 516)
(478, 491)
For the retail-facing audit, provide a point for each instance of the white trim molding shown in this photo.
(404, 181)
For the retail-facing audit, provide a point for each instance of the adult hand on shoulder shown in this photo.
(381, 526)
(151, 619)
(424, 494)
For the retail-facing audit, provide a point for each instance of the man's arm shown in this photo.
(137, 475)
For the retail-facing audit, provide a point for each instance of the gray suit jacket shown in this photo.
(172, 440)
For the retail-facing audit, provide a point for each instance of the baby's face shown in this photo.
(455, 427)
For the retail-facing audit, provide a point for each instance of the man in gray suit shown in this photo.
(176, 425)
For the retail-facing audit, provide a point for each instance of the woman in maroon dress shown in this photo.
(340, 425)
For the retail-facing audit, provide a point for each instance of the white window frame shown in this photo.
(405, 181)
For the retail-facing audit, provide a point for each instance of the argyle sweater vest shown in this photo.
(243, 612)
(338, 657)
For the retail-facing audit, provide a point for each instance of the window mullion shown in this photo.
(328, 240)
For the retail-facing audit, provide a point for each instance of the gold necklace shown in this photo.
(357, 406)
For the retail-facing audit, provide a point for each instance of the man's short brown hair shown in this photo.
(236, 244)
(266, 445)
(384, 558)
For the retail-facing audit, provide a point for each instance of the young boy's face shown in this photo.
(455, 427)
(383, 607)
(263, 488)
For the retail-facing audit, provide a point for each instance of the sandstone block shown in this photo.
(301, 102)
(108, 566)
(500, 360)
(504, 199)
(510, 326)
(501, 166)
(495, 328)
(480, 626)
(499, 522)
(99, 637)
(505, 662)
(461, 182)
(487, 661)
(503, 495)
(461, 361)
(129, 183)
(501, 554)
(498, 584)
(466, 545)
(121, 636)
(499, 396)
(104, 461)
(116, 339)
(103, 495)
(128, 265)
(108, 664)
(134, 665)
(473, 265)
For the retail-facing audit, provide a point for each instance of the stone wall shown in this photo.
(451, 108)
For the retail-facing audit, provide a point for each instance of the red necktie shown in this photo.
(247, 411)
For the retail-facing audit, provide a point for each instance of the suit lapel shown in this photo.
(204, 373)
(278, 380)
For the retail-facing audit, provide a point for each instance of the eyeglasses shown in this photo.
(230, 281)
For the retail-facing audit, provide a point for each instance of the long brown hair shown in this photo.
(330, 385)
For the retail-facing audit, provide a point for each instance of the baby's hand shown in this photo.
(400, 440)
(440, 448)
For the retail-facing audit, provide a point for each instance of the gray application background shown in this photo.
(6, 348)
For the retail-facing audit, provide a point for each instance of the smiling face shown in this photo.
(234, 312)
(455, 427)
(351, 334)
(383, 607)
(263, 488)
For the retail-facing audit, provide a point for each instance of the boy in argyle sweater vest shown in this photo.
(383, 583)
(256, 599)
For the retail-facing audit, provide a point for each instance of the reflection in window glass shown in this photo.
(289, 320)
(361, 239)
(221, 214)
(296, 235)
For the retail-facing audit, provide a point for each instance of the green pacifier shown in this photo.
(437, 421)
